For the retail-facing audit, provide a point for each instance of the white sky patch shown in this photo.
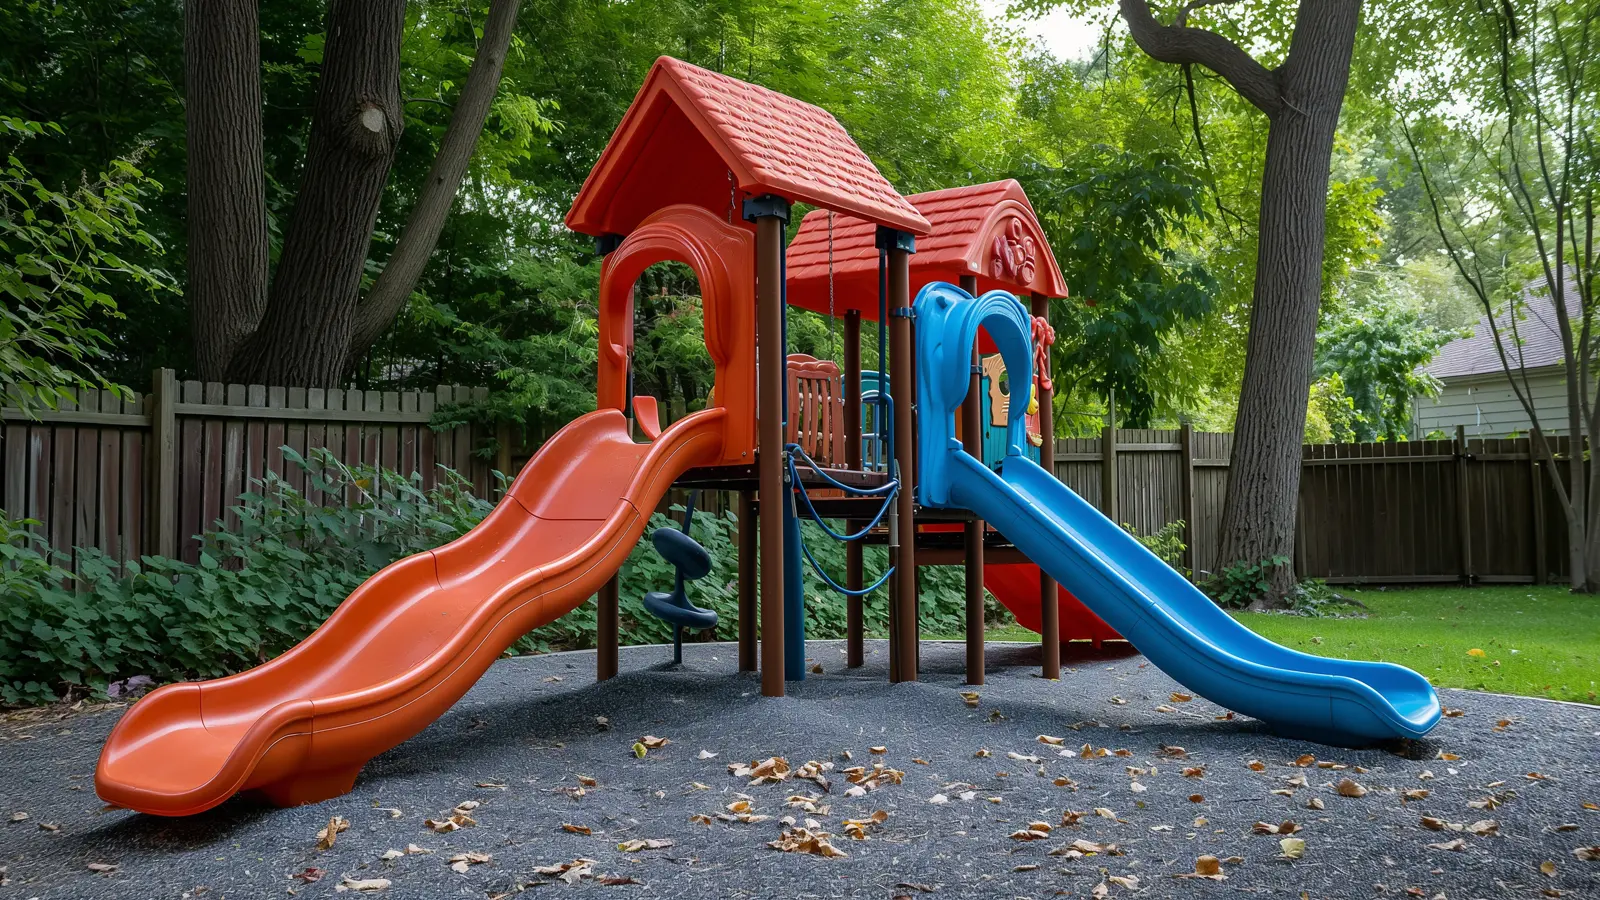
(1065, 35)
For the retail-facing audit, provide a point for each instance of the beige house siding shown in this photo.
(1486, 405)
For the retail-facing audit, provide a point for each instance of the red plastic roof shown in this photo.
(689, 132)
(987, 230)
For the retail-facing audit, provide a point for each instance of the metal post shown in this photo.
(972, 531)
(905, 438)
(770, 218)
(854, 575)
(1049, 610)
(747, 581)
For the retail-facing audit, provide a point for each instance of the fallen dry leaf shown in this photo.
(637, 844)
(1081, 848)
(108, 868)
(804, 840)
(1292, 848)
(19, 816)
(1180, 697)
(1451, 713)
(1587, 854)
(310, 875)
(1131, 882)
(1456, 844)
(1547, 869)
(1197, 798)
(1418, 794)
(1484, 828)
(575, 829)
(1172, 752)
(651, 742)
(1286, 827)
(970, 698)
(330, 832)
(1348, 788)
(1305, 760)
(1030, 834)
(1256, 765)
(1051, 740)
(363, 884)
(981, 752)
(570, 872)
(1206, 867)
(878, 750)
(1194, 772)
(460, 862)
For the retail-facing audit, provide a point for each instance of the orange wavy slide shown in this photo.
(408, 643)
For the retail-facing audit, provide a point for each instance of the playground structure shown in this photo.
(703, 169)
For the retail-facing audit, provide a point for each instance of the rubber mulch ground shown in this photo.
(519, 741)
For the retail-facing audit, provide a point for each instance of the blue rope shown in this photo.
(811, 511)
(881, 489)
(817, 567)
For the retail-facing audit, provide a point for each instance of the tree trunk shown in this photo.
(305, 333)
(227, 207)
(1258, 513)
(421, 233)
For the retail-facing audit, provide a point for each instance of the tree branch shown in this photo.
(1178, 43)
(417, 240)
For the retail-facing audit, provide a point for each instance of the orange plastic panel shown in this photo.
(723, 259)
(648, 414)
(410, 641)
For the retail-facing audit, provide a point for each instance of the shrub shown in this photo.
(1238, 585)
(266, 582)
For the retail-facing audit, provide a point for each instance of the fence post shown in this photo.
(1108, 469)
(1186, 496)
(1464, 512)
(1540, 571)
(163, 462)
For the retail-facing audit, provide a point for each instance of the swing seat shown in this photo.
(692, 562)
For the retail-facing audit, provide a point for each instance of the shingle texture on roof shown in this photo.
(1536, 325)
(769, 142)
(961, 242)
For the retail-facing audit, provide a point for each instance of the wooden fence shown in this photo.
(143, 475)
(1480, 510)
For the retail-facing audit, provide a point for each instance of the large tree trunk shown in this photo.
(1302, 99)
(427, 218)
(1259, 508)
(227, 206)
(304, 336)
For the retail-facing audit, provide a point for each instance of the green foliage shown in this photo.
(259, 587)
(60, 256)
(1377, 351)
(1167, 543)
(1116, 220)
(1239, 585)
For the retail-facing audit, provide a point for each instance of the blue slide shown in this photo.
(1334, 701)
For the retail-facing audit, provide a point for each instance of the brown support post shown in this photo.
(972, 532)
(1535, 470)
(747, 581)
(1462, 498)
(770, 225)
(1049, 610)
(854, 575)
(606, 640)
(904, 666)
(164, 463)
(1186, 472)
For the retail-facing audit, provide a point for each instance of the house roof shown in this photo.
(986, 230)
(693, 136)
(1536, 325)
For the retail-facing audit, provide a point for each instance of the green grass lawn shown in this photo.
(1537, 641)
